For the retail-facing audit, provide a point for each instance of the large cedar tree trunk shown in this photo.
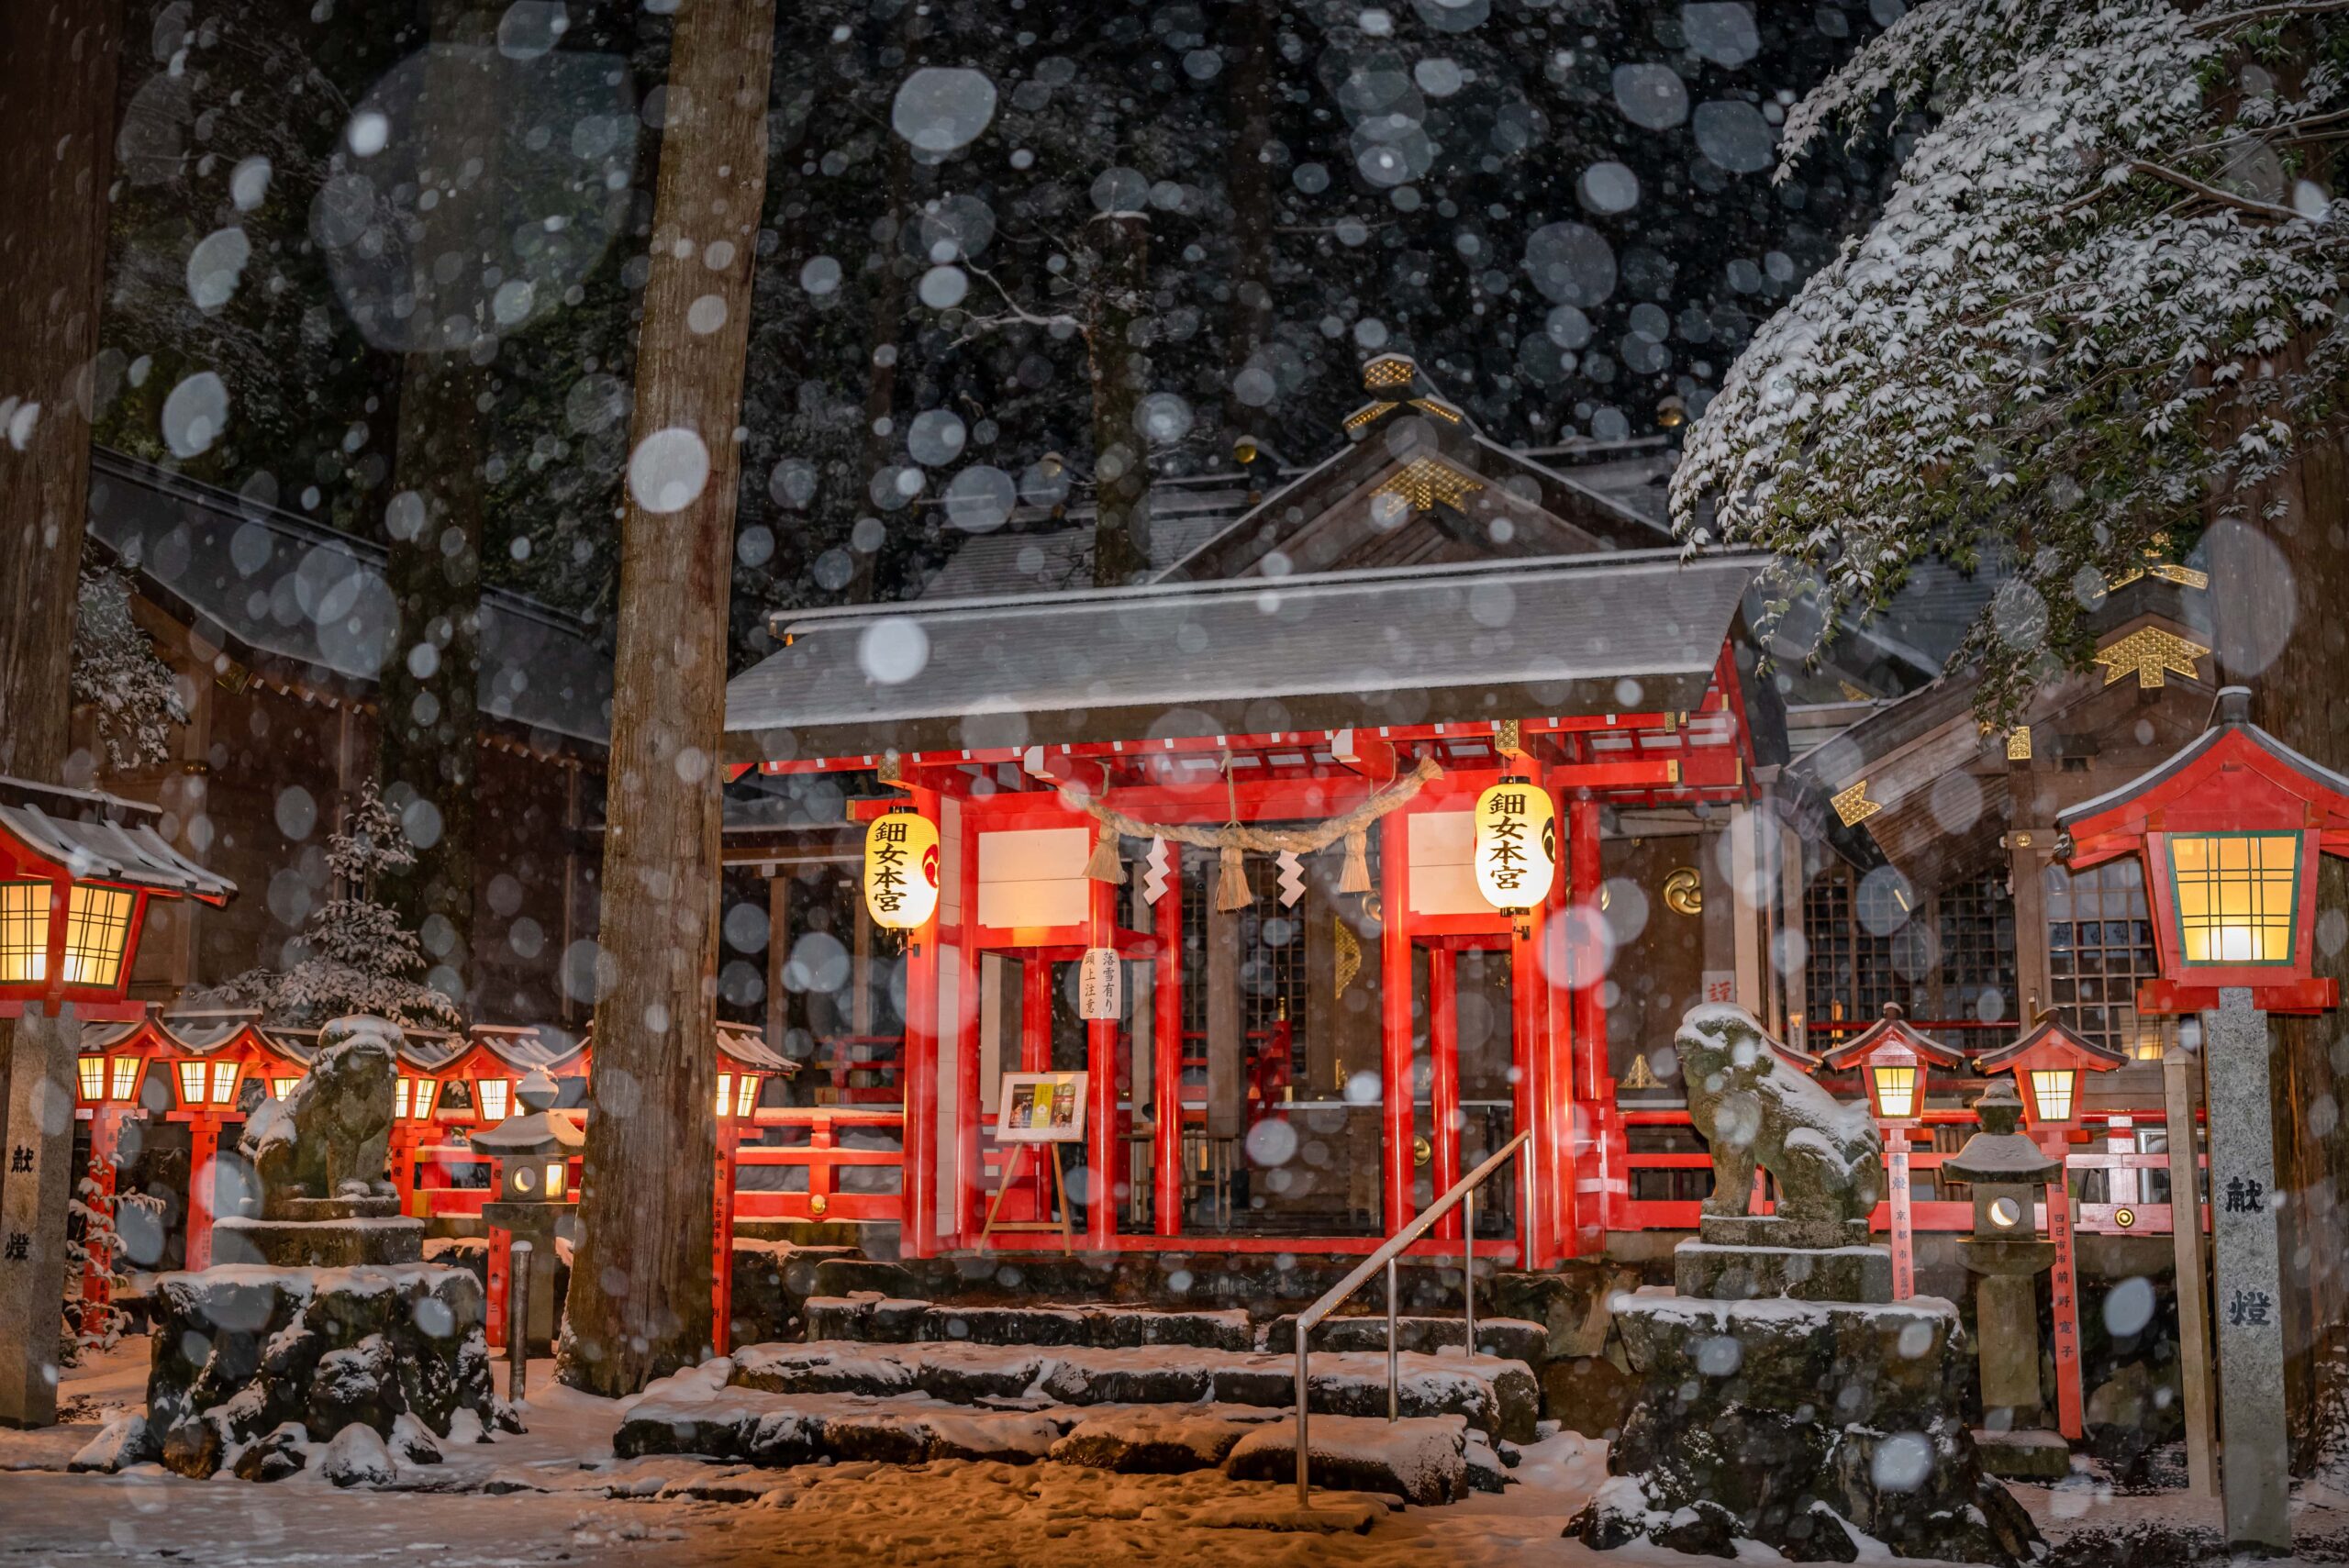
(431, 692)
(57, 60)
(1121, 453)
(639, 1301)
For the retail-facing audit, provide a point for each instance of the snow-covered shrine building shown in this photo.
(1308, 1067)
(1301, 1071)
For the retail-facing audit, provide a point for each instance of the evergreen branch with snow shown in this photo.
(2102, 294)
(119, 677)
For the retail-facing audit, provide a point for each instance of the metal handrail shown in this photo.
(1461, 1195)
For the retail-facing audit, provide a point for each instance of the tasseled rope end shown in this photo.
(1104, 866)
(1354, 876)
(1231, 891)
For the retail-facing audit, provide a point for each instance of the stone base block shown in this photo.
(239, 1352)
(1715, 1273)
(317, 1244)
(2024, 1456)
(1793, 1423)
(313, 1209)
(1779, 1231)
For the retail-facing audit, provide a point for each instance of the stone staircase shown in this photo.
(1120, 1388)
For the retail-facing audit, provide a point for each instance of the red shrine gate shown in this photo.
(1618, 688)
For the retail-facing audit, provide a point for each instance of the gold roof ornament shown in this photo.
(1424, 481)
(2167, 571)
(2019, 743)
(1367, 412)
(1642, 1076)
(1348, 949)
(2150, 653)
(1388, 370)
(1684, 891)
(1853, 806)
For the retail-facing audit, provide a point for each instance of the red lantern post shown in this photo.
(1894, 1061)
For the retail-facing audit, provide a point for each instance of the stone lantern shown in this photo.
(532, 1150)
(2008, 1172)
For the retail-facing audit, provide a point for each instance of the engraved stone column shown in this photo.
(34, 1193)
(2254, 1457)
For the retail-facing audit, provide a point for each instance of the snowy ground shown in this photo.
(570, 1502)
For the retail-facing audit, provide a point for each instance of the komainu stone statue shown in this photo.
(319, 1157)
(328, 1140)
(1753, 1107)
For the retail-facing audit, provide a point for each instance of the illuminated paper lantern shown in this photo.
(1517, 844)
(901, 869)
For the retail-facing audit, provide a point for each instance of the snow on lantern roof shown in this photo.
(1558, 634)
(101, 838)
(748, 1048)
(1893, 1028)
(2051, 1044)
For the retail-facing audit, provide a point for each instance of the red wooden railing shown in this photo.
(823, 1159)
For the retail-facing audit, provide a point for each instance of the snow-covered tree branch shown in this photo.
(2102, 294)
(119, 676)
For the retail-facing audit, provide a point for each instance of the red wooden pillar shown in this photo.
(1582, 1177)
(1395, 1015)
(1540, 1106)
(2064, 1293)
(721, 1254)
(501, 1266)
(1103, 1152)
(970, 1183)
(1443, 1087)
(1904, 1233)
(1166, 1058)
(917, 1074)
(203, 1151)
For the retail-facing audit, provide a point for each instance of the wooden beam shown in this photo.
(1365, 753)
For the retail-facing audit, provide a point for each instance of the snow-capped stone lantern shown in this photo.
(78, 872)
(534, 1205)
(2229, 827)
(2008, 1172)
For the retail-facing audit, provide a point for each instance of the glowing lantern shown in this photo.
(281, 1087)
(2229, 827)
(126, 1078)
(92, 1071)
(1517, 844)
(901, 869)
(2047, 1064)
(494, 1093)
(1894, 1061)
(77, 873)
(737, 1096)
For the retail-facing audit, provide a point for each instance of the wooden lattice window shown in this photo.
(1977, 944)
(1849, 971)
(2099, 945)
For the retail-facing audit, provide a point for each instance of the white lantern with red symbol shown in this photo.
(901, 869)
(1517, 844)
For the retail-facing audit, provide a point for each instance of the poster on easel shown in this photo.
(1041, 1107)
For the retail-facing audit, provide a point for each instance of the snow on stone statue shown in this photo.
(1753, 1109)
(329, 1138)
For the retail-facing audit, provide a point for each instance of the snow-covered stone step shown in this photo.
(1426, 1460)
(886, 1320)
(1511, 1339)
(1493, 1396)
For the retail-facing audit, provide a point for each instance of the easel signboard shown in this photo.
(1038, 1110)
